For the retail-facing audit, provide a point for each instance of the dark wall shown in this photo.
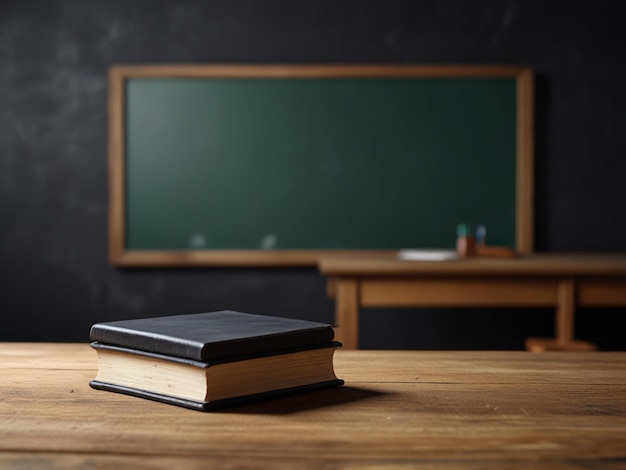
(54, 55)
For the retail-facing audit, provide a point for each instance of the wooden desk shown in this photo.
(398, 408)
(547, 280)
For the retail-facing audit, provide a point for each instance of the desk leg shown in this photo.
(566, 298)
(347, 312)
(564, 326)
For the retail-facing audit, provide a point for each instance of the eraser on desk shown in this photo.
(427, 254)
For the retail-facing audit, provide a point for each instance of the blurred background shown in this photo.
(55, 279)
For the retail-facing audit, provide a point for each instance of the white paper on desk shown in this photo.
(427, 255)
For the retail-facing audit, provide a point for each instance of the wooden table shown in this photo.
(398, 408)
(563, 281)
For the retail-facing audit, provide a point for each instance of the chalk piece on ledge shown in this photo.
(427, 255)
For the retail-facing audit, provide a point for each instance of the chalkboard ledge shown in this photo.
(232, 258)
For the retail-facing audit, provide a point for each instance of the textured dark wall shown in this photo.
(54, 55)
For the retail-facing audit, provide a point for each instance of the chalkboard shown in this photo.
(277, 165)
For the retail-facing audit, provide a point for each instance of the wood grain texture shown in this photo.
(565, 310)
(540, 265)
(525, 223)
(523, 74)
(116, 166)
(455, 292)
(347, 302)
(399, 409)
(609, 292)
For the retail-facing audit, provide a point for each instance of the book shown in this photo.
(208, 361)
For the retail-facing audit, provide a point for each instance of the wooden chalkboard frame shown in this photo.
(119, 255)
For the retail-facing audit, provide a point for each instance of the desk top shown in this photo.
(451, 409)
(547, 264)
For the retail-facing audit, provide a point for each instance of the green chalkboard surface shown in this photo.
(219, 165)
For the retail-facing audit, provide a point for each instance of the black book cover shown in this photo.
(212, 405)
(213, 335)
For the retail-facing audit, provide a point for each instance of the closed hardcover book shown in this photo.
(211, 360)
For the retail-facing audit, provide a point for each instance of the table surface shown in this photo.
(398, 409)
(545, 264)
